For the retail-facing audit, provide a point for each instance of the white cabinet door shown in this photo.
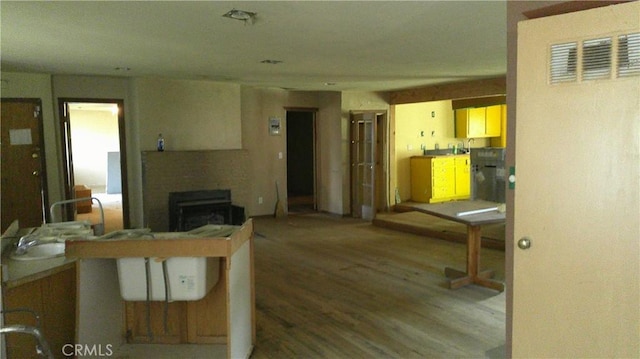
(576, 290)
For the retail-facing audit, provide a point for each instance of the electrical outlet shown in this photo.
(260, 200)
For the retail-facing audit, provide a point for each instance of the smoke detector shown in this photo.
(241, 15)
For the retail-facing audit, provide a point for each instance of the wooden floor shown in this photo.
(328, 287)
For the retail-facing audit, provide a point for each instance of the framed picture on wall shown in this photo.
(274, 126)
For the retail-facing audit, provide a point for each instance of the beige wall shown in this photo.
(240, 113)
(93, 134)
(191, 115)
(112, 88)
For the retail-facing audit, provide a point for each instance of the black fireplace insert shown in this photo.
(193, 209)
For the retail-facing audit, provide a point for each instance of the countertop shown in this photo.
(444, 155)
(18, 272)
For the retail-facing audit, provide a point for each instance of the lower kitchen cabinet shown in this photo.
(184, 322)
(53, 298)
(440, 178)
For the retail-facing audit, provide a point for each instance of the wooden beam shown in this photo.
(567, 7)
(479, 102)
(451, 91)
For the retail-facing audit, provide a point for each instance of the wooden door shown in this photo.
(576, 289)
(363, 165)
(23, 170)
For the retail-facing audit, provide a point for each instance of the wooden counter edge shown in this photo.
(38, 275)
(186, 247)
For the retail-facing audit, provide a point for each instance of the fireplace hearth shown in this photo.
(193, 209)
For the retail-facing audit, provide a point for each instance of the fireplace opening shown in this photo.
(193, 209)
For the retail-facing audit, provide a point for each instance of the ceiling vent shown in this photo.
(629, 55)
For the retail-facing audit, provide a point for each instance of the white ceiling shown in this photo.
(355, 45)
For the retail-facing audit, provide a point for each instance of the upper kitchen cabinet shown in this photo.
(501, 141)
(479, 122)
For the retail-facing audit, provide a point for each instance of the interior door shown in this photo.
(23, 170)
(363, 165)
(576, 280)
(68, 210)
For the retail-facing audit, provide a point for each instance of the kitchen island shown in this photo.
(225, 316)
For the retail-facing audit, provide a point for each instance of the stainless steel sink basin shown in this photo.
(41, 251)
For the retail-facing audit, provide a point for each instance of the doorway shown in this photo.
(301, 160)
(369, 164)
(24, 180)
(95, 160)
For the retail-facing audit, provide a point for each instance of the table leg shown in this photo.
(473, 275)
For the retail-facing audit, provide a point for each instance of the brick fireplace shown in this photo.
(169, 172)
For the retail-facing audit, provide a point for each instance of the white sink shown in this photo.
(41, 251)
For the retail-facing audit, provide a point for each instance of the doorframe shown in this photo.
(381, 176)
(314, 112)
(67, 161)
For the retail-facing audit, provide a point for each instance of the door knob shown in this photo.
(524, 243)
(35, 155)
(35, 173)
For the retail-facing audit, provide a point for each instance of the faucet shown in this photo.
(25, 243)
(469, 144)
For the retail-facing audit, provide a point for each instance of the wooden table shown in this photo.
(450, 210)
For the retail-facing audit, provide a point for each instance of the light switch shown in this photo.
(279, 155)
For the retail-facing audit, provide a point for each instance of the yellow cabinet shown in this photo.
(440, 178)
(492, 121)
(470, 122)
(463, 176)
(479, 122)
(502, 140)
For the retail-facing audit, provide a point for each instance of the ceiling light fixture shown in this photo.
(241, 15)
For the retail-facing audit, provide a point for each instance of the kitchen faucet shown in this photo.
(469, 143)
(25, 243)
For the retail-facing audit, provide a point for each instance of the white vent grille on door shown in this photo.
(563, 62)
(596, 59)
(629, 55)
